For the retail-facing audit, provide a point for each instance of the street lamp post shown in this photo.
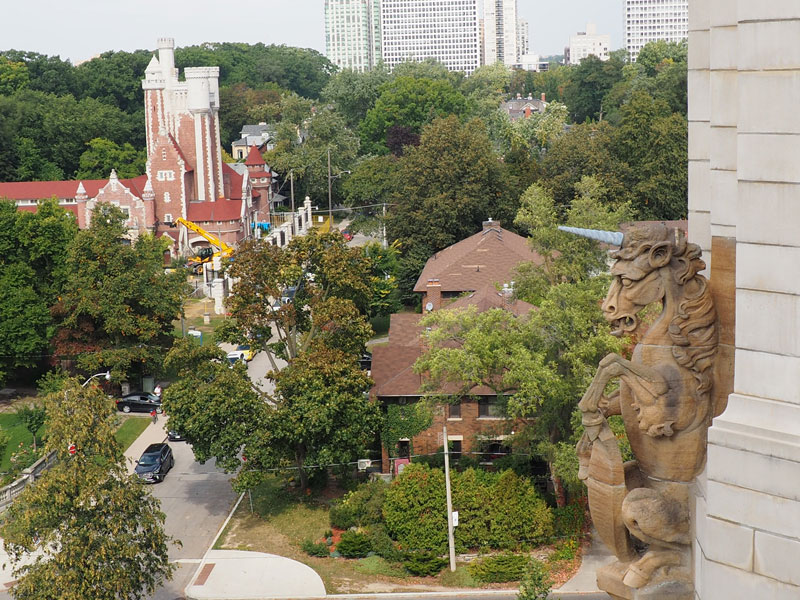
(106, 375)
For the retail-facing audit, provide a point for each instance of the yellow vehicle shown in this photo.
(195, 263)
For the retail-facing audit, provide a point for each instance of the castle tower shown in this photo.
(184, 162)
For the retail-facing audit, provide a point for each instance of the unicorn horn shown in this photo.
(609, 237)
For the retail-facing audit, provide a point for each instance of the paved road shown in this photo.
(196, 499)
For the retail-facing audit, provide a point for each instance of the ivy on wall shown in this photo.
(404, 421)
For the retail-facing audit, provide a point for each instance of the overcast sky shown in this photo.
(80, 29)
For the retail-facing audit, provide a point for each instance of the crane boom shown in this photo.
(224, 249)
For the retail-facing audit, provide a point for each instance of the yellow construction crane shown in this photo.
(202, 257)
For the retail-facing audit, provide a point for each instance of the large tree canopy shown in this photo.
(118, 304)
(98, 532)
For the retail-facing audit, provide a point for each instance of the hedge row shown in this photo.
(498, 510)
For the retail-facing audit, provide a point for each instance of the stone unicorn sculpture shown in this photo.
(641, 508)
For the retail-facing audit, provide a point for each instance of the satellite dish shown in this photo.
(429, 306)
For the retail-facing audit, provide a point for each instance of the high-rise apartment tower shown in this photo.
(446, 30)
(653, 20)
(353, 33)
(501, 42)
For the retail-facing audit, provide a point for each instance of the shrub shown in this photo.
(499, 568)
(566, 550)
(314, 549)
(535, 584)
(375, 565)
(354, 544)
(414, 509)
(569, 520)
(424, 564)
(382, 544)
(467, 462)
(471, 498)
(361, 507)
(519, 517)
(342, 516)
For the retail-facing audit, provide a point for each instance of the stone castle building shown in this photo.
(185, 175)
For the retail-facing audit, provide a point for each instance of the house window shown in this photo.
(166, 197)
(163, 154)
(455, 449)
(492, 449)
(489, 408)
(168, 218)
(454, 410)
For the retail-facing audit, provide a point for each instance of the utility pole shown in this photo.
(330, 203)
(291, 194)
(384, 226)
(450, 540)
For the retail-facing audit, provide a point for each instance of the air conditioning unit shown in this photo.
(364, 464)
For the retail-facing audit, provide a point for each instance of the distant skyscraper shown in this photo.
(523, 44)
(652, 20)
(446, 30)
(352, 33)
(586, 43)
(501, 32)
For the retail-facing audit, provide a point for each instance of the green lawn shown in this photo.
(131, 429)
(16, 432)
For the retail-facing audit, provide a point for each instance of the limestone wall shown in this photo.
(744, 209)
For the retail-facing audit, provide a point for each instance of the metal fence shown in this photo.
(28, 476)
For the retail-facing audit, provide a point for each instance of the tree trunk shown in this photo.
(558, 487)
(299, 459)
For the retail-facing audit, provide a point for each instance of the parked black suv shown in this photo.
(139, 402)
(155, 462)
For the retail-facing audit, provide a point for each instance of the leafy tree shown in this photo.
(589, 83)
(322, 414)
(383, 277)
(566, 257)
(114, 78)
(33, 249)
(450, 184)
(118, 306)
(98, 532)
(584, 150)
(216, 408)
(32, 166)
(653, 142)
(47, 74)
(13, 76)
(655, 55)
(330, 287)
(104, 155)
(410, 102)
(33, 416)
(354, 93)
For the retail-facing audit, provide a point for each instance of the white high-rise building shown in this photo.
(352, 33)
(653, 20)
(586, 43)
(501, 30)
(523, 44)
(446, 30)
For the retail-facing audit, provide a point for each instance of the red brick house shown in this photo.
(465, 274)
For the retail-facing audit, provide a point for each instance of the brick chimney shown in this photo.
(543, 100)
(527, 111)
(433, 296)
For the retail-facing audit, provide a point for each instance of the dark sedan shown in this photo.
(155, 463)
(139, 402)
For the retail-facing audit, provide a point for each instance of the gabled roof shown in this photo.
(486, 258)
